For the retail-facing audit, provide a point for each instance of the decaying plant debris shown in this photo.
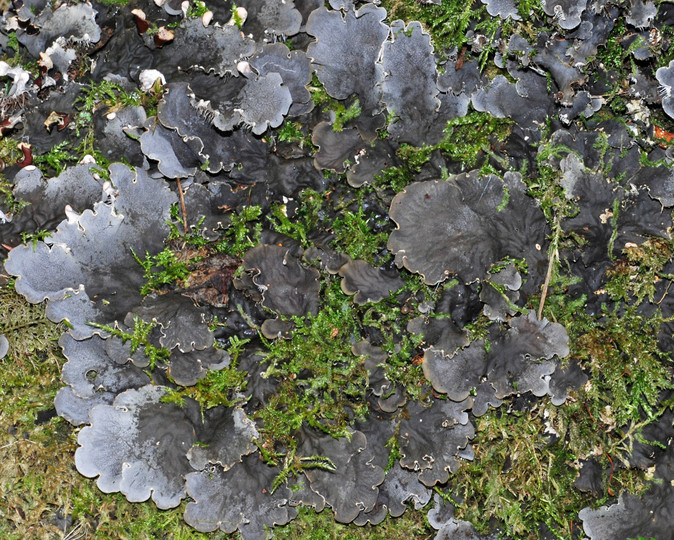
(347, 258)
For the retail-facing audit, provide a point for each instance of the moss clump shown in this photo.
(161, 269)
(26, 327)
(309, 216)
(222, 387)
(344, 114)
(447, 23)
(138, 337)
(627, 368)
(522, 475)
(394, 178)
(294, 132)
(468, 140)
(355, 237)
(321, 382)
(56, 159)
(634, 276)
(243, 232)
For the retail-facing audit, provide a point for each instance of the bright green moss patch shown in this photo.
(222, 387)
(354, 236)
(467, 140)
(138, 337)
(447, 23)
(308, 217)
(294, 132)
(243, 232)
(344, 114)
(322, 381)
(161, 269)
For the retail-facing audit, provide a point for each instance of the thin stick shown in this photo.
(608, 488)
(554, 253)
(546, 284)
(182, 204)
(664, 294)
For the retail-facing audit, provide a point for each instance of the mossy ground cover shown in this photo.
(41, 493)
(517, 476)
(520, 476)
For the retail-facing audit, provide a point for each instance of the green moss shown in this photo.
(310, 525)
(479, 328)
(20, 57)
(197, 9)
(354, 236)
(108, 94)
(56, 159)
(545, 185)
(296, 133)
(491, 28)
(615, 57)
(222, 387)
(521, 479)
(504, 202)
(447, 23)
(662, 57)
(627, 368)
(308, 217)
(395, 178)
(9, 153)
(318, 94)
(238, 21)
(138, 336)
(467, 140)
(243, 232)
(111, 97)
(344, 114)
(321, 380)
(403, 366)
(13, 42)
(34, 238)
(634, 276)
(164, 268)
(612, 53)
(618, 348)
(529, 9)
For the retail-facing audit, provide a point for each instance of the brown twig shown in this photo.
(553, 255)
(608, 488)
(182, 204)
(551, 262)
(664, 294)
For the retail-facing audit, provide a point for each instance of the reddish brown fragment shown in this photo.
(163, 36)
(141, 20)
(58, 120)
(27, 158)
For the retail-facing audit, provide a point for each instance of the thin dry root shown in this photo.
(182, 205)
(551, 262)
